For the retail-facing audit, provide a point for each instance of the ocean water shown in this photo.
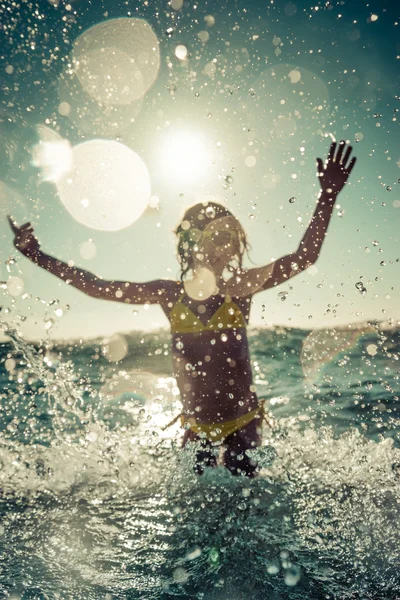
(98, 501)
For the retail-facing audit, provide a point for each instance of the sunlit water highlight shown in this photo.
(98, 501)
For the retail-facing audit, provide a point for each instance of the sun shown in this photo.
(186, 156)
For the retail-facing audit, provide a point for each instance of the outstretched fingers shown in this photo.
(339, 154)
(18, 229)
(347, 156)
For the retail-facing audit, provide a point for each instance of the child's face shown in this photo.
(215, 245)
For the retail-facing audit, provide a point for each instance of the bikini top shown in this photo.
(227, 316)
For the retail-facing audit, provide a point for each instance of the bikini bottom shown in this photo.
(235, 446)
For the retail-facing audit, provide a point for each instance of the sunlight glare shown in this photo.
(185, 156)
(52, 154)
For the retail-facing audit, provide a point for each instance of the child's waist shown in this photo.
(219, 430)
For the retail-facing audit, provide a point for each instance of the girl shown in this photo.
(208, 310)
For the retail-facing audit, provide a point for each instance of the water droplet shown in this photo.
(292, 576)
(372, 349)
(181, 52)
(48, 324)
(283, 295)
(273, 568)
(193, 554)
(360, 287)
(292, 200)
(10, 364)
(210, 212)
(180, 575)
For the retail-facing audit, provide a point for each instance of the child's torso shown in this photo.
(211, 357)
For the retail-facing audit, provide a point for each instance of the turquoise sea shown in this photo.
(99, 502)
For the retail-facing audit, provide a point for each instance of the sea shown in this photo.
(98, 501)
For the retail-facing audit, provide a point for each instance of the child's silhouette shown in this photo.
(208, 310)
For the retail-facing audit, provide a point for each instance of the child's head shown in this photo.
(209, 233)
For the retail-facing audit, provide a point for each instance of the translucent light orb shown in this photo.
(202, 286)
(294, 76)
(115, 348)
(10, 364)
(154, 202)
(87, 250)
(185, 156)
(15, 285)
(118, 60)
(108, 187)
(181, 52)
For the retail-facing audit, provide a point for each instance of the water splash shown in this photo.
(104, 505)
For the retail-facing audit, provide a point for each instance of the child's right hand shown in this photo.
(24, 239)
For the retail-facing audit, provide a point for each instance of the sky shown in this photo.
(117, 116)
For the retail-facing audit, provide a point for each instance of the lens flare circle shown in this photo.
(115, 348)
(98, 75)
(202, 286)
(90, 116)
(108, 187)
(117, 61)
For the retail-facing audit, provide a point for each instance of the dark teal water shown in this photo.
(98, 502)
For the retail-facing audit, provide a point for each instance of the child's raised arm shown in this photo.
(152, 292)
(332, 176)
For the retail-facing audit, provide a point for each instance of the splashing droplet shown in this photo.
(210, 211)
(360, 287)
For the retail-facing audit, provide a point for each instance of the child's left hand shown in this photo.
(334, 174)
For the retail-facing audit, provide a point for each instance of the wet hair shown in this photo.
(200, 216)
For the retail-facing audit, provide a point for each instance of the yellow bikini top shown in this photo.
(227, 316)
